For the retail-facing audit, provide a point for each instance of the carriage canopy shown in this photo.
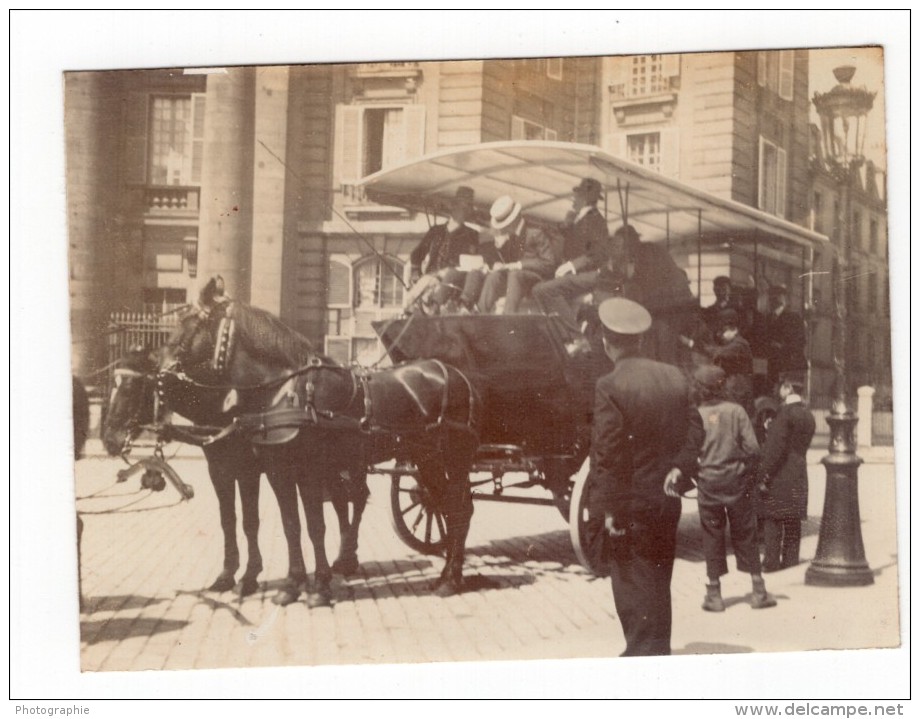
(541, 175)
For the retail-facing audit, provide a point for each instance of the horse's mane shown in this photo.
(268, 338)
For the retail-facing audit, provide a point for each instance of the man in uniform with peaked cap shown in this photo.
(645, 446)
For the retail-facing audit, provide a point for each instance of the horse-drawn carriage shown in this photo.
(469, 400)
(536, 390)
(537, 385)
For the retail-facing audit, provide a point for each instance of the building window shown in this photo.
(384, 138)
(873, 237)
(522, 129)
(554, 68)
(371, 138)
(775, 71)
(357, 295)
(158, 300)
(772, 186)
(176, 139)
(378, 284)
(647, 77)
(645, 149)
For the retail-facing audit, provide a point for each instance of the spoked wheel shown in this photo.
(560, 479)
(586, 530)
(414, 517)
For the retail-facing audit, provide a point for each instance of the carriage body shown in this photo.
(537, 394)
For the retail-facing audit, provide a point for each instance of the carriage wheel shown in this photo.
(414, 517)
(561, 482)
(562, 496)
(583, 528)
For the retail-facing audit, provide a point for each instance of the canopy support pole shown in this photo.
(699, 254)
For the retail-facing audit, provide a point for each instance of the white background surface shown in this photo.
(44, 641)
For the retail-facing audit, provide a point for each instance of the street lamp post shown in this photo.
(840, 558)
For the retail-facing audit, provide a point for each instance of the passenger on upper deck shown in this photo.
(586, 250)
(646, 273)
(436, 259)
(520, 256)
(782, 335)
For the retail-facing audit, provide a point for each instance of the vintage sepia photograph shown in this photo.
(481, 360)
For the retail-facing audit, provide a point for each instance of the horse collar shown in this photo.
(225, 344)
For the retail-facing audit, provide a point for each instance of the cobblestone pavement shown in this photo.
(149, 557)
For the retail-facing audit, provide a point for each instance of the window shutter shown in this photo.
(348, 143)
(762, 68)
(134, 156)
(198, 108)
(780, 182)
(670, 65)
(786, 69)
(414, 116)
(761, 184)
(670, 153)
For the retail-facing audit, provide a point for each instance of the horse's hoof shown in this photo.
(285, 597)
(224, 583)
(247, 586)
(346, 567)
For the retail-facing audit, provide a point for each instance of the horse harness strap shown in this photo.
(226, 343)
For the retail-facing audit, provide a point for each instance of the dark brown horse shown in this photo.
(231, 464)
(317, 426)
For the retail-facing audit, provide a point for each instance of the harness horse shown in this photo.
(265, 401)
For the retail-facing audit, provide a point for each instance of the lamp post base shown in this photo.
(840, 560)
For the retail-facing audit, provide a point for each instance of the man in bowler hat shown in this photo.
(436, 258)
(646, 440)
(585, 250)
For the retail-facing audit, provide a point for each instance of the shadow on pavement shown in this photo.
(117, 603)
(119, 629)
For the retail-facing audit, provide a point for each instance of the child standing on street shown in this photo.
(723, 489)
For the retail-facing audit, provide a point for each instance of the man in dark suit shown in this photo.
(725, 300)
(646, 273)
(783, 471)
(585, 251)
(783, 339)
(436, 259)
(646, 442)
(522, 255)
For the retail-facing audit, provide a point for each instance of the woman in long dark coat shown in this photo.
(783, 473)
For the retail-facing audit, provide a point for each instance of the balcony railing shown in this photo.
(651, 87)
(171, 200)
